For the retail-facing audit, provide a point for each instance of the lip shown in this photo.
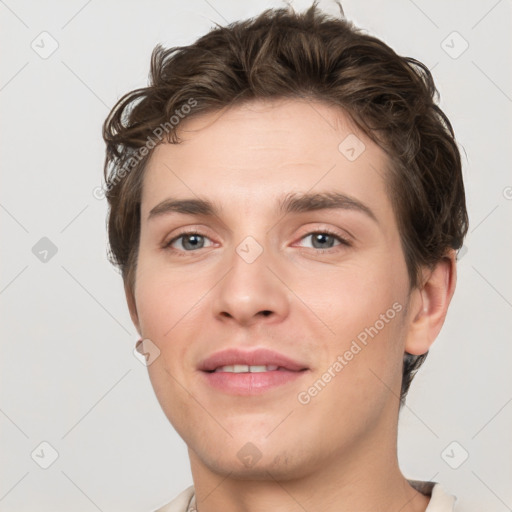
(245, 384)
(257, 357)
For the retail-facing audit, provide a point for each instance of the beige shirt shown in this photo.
(440, 501)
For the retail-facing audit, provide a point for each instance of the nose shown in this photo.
(252, 290)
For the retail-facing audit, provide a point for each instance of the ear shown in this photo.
(429, 304)
(132, 307)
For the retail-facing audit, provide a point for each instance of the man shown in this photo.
(286, 202)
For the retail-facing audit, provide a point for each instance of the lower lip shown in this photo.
(251, 383)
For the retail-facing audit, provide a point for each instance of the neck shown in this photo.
(366, 477)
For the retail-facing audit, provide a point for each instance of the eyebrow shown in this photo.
(291, 203)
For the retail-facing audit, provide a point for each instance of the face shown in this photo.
(269, 227)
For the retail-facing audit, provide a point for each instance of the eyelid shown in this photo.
(341, 243)
(345, 237)
(189, 230)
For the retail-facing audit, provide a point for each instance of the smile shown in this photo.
(244, 368)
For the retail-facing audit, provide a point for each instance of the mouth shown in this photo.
(237, 372)
(235, 360)
(245, 368)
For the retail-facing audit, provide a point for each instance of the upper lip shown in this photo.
(257, 357)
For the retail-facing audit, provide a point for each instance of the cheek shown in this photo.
(363, 305)
(169, 308)
(168, 305)
(360, 381)
(352, 296)
(166, 297)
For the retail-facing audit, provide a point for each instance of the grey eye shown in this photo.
(191, 241)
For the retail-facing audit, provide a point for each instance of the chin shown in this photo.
(250, 460)
(275, 466)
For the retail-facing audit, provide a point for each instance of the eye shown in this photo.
(325, 239)
(188, 241)
(191, 241)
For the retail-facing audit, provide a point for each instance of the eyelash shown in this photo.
(179, 252)
(341, 240)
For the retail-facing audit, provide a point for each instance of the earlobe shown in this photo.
(132, 307)
(430, 303)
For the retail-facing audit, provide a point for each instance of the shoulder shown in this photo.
(440, 500)
(180, 503)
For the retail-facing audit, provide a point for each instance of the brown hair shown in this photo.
(282, 54)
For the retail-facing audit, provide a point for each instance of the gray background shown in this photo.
(68, 374)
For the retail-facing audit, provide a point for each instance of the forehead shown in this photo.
(247, 154)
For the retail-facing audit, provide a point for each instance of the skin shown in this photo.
(338, 452)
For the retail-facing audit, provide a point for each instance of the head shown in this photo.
(257, 130)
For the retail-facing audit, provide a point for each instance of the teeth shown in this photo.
(244, 368)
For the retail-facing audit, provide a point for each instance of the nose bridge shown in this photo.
(250, 290)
